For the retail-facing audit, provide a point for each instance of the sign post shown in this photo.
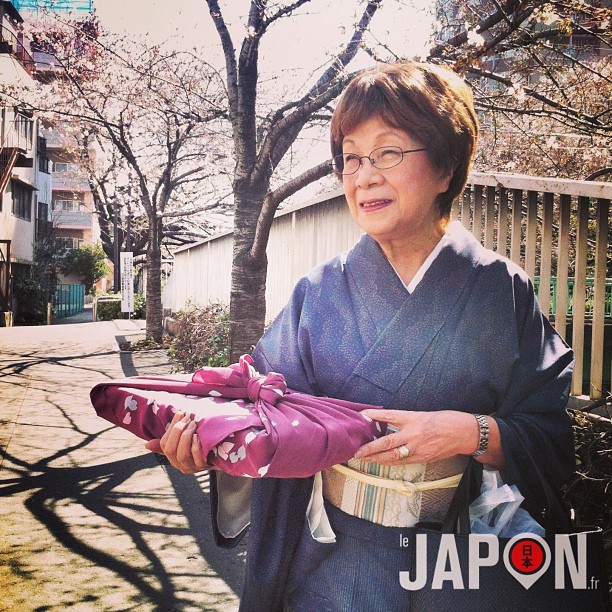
(127, 282)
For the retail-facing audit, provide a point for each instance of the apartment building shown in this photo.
(42, 187)
(25, 179)
(72, 205)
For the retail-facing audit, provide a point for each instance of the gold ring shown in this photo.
(403, 451)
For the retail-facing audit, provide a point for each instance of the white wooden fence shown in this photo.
(556, 229)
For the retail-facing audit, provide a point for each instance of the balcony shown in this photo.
(56, 140)
(72, 219)
(69, 181)
(17, 133)
(10, 43)
(15, 144)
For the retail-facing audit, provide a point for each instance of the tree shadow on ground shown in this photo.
(100, 494)
(94, 489)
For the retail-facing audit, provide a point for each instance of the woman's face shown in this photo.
(397, 204)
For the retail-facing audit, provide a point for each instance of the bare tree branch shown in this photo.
(565, 110)
(283, 12)
(327, 87)
(230, 56)
(274, 198)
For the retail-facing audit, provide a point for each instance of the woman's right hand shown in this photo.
(181, 445)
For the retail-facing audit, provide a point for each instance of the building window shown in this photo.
(69, 244)
(68, 205)
(43, 211)
(43, 160)
(44, 164)
(22, 202)
(65, 167)
(24, 126)
(43, 227)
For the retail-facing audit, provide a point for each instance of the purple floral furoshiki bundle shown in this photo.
(247, 424)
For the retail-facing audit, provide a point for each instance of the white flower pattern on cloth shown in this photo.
(239, 454)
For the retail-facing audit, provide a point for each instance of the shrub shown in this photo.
(32, 301)
(108, 311)
(202, 338)
(588, 493)
(88, 263)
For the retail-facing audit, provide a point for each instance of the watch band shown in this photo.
(483, 437)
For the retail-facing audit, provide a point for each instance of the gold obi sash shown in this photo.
(394, 496)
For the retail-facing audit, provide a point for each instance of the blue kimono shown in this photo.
(471, 337)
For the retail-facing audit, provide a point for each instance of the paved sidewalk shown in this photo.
(86, 316)
(90, 519)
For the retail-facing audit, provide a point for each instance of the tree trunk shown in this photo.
(248, 304)
(153, 295)
(248, 293)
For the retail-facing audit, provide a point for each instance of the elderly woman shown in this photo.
(419, 318)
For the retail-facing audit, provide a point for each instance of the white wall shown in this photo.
(202, 274)
(21, 232)
(301, 238)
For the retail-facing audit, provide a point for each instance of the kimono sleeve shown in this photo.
(278, 350)
(285, 346)
(533, 413)
(278, 507)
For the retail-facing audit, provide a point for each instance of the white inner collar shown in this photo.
(416, 279)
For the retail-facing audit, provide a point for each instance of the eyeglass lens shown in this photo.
(381, 158)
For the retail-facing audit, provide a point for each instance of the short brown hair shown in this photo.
(427, 101)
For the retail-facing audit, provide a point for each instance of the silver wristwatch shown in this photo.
(483, 437)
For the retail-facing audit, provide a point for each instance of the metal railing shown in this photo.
(103, 299)
(5, 275)
(56, 5)
(8, 37)
(569, 299)
(69, 300)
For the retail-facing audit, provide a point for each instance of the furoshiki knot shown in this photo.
(269, 388)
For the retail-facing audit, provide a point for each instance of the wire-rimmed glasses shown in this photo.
(382, 158)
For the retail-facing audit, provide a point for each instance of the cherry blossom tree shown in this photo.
(550, 147)
(513, 53)
(144, 115)
(519, 55)
(542, 79)
(261, 141)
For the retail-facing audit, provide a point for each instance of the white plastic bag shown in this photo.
(498, 511)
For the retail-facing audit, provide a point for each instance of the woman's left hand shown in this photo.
(427, 436)
(181, 446)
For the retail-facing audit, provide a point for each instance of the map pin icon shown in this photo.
(527, 557)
